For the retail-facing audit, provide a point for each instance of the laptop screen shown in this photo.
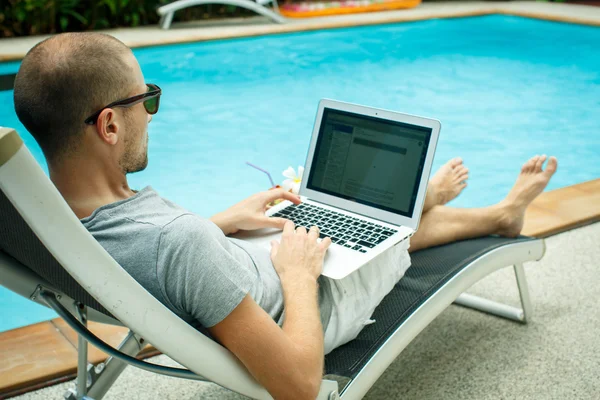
(369, 160)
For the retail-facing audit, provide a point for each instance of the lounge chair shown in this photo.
(259, 6)
(48, 256)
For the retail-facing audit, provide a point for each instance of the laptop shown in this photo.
(364, 183)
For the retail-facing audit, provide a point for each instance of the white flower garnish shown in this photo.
(294, 180)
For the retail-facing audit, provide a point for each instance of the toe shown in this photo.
(460, 170)
(551, 166)
(456, 161)
(462, 179)
(539, 162)
(528, 166)
(534, 161)
(464, 172)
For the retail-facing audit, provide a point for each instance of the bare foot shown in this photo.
(531, 182)
(449, 181)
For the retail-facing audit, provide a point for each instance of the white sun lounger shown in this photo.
(259, 6)
(48, 256)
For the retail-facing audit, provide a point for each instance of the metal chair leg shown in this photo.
(165, 21)
(82, 380)
(94, 381)
(82, 356)
(499, 309)
(108, 372)
(523, 291)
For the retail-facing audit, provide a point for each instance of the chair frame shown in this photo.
(48, 215)
(166, 12)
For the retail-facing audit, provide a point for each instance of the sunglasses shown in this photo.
(151, 100)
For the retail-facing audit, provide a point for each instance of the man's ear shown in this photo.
(107, 126)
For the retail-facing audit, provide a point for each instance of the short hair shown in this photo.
(63, 80)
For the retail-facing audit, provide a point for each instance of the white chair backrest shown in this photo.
(39, 204)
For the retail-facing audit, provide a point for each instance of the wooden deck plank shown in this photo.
(592, 186)
(34, 354)
(563, 209)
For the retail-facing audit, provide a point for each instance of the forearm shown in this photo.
(278, 360)
(303, 323)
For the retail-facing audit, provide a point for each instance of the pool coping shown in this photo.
(13, 49)
(45, 353)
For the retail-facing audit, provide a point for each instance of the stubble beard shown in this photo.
(132, 161)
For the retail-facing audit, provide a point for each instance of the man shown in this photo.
(84, 99)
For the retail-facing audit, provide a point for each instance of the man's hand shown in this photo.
(250, 213)
(299, 254)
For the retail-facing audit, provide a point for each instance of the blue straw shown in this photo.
(262, 170)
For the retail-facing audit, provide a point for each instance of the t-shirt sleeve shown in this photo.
(199, 276)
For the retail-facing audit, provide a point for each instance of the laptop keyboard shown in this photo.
(344, 230)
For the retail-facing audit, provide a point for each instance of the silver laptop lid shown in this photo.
(370, 161)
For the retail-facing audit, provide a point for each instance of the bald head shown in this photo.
(66, 78)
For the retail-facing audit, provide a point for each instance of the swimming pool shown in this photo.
(504, 88)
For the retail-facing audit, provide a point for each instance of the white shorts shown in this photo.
(356, 296)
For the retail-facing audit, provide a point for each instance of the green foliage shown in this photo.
(34, 17)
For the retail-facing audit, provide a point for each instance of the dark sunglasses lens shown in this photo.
(151, 105)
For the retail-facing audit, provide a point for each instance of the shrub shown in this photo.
(34, 17)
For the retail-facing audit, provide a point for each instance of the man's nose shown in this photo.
(149, 117)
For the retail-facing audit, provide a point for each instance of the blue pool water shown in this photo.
(504, 88)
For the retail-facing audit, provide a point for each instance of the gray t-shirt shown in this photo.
(186, 261)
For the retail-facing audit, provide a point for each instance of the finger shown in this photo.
(282, 194)
(274, 248)
(294, 198)
(288, 228)
(300, 230)
(325, 243)
(274, 222)
(313, 233)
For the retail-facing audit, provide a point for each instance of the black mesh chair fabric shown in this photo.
(430, 270)
(18, 241)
